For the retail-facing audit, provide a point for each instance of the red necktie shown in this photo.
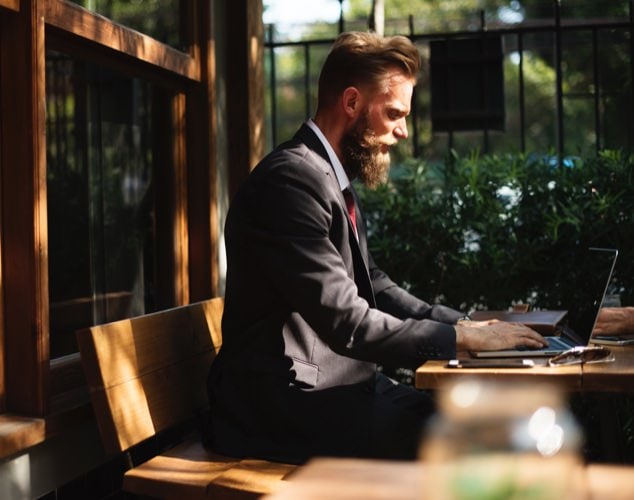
(347, 194)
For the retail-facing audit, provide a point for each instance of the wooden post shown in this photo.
(245, 88)
(202, 177)
(24, 233)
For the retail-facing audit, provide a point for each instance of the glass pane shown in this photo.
(100, 197)
(160, 19)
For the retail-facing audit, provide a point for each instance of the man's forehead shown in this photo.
(396, 77)
(396, 82)
(396, 87)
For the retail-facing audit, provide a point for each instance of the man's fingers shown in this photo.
(526, 336)
(534, 339)
(531, 342)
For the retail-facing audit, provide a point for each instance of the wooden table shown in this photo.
(611, 377)
(436, 375)
(602, 382)
(353, 479)
(601, 377)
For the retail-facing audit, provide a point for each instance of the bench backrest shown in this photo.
(147, 374)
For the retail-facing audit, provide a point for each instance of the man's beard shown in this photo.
(362, 155)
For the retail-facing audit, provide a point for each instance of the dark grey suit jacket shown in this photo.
(307, 316)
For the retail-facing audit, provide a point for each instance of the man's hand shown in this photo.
(614, 321)
(495, 335)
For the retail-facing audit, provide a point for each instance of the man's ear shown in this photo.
(351, 100)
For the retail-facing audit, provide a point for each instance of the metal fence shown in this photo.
(567, 86)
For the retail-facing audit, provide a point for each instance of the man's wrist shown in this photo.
(459, 336)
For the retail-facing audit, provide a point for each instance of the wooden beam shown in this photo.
(19, 433)
(71, 18)
(202, 164)
(245, 88)
(179, 224)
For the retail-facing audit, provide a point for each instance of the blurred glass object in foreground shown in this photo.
(492, 440)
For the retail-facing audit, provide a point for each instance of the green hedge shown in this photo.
(489, 231)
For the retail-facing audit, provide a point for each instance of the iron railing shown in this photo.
(517, 36)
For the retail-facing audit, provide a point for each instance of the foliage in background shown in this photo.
(488, 231)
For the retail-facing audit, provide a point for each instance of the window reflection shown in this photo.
(100, 197)
(160, 19)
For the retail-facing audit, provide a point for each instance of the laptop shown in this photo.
(579, 323)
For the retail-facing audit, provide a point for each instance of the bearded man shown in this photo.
(308, 315)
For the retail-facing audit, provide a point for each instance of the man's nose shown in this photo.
(401, 129)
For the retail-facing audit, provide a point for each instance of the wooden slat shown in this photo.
(156, 401)
(190, 471)
(130, 348)
(250, 478)
(186, 471)
(212, 310)
(74, 19)
(147, 374)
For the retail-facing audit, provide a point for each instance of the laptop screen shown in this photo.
(598, 265)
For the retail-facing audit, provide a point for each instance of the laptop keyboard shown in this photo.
(557, 343)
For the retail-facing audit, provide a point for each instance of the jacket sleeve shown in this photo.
(294, 237)
(394, 300)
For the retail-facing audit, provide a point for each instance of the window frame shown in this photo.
(26, 31)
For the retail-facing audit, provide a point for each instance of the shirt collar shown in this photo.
(340, 173)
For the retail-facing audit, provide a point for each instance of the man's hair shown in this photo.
(360, 59)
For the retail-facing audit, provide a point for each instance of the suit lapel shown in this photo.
(308, 137)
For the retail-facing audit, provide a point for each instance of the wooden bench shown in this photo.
(147, 375)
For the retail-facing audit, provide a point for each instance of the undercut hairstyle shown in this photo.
(363, 59)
